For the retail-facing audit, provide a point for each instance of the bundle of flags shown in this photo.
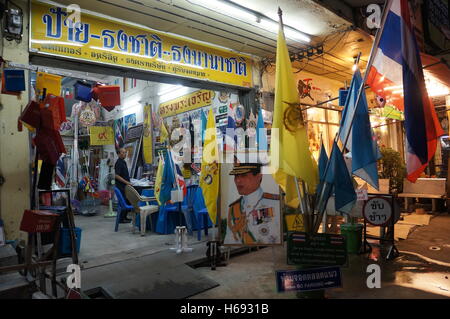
(396, 74)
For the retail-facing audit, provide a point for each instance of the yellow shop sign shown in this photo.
(114, 42)
(186, 103)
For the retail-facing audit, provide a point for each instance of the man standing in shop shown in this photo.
(122, 178)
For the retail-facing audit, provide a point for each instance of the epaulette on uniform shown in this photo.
(237, 200)
(271, 196)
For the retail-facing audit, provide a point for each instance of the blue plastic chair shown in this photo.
(122, 207)
(201, 214)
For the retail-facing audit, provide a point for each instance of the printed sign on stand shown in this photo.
(316, 249)
(377, 211)
(308, 279)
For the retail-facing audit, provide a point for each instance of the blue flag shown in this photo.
(323, 160)
(361, 142)
(168, 179)
(204, 120)
(261, 136)
(339, 177)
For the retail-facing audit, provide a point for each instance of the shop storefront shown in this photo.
(157, 78)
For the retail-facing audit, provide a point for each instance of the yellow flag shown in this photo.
(164, 135)
(290, 154)
(158, 181)
(209, 176)
(147, 139)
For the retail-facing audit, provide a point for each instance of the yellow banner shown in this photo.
(186, 103)
(101, 135)
(101, 40)
(147, 139)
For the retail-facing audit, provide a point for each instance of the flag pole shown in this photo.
(366, 74)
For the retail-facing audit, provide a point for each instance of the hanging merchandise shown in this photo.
(31, 115)
(53, 112)
(14, 80)
(107, 95)
(50, 82)
(83, 91)
(5, 91)
(46, 175)
(49, 145)
(87, 116)
(239, 112)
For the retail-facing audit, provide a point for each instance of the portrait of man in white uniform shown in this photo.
(252, 207)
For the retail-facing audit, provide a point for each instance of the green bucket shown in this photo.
(353, 236)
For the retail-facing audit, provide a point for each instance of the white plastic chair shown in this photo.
(134, 198)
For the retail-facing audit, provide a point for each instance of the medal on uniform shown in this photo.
(264, 230)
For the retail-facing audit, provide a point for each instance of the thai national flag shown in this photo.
(60, 176)
(397, 75)
(230, 137)
(299, 237)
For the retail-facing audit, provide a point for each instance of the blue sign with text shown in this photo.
(308, 279)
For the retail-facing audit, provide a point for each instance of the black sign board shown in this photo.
(316, 249)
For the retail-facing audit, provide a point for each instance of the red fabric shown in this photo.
(49, 145)
(53, 112)
(31, 115)
(107, 95)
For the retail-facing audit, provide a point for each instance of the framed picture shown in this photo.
(132, 149)
(250, 207)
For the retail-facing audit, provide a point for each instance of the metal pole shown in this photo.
(366, 74)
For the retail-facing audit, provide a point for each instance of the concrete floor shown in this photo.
(127, 265)
(409, 276)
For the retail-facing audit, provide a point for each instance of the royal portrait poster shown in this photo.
(250, 210)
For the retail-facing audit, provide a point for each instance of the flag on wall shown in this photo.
(118, 134)
(397, 75)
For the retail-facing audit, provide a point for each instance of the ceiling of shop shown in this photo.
(181, 17)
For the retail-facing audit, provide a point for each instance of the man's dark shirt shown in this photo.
(121, 170)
